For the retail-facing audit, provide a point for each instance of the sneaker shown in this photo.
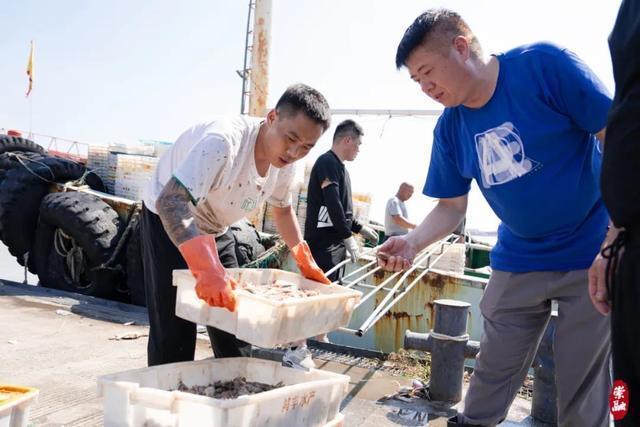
(453, 421)
(323, 338)
(300, 358)
(457, 421)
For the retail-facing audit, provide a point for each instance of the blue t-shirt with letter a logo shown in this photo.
(533, 152)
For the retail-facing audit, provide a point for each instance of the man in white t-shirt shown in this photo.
(215, 174)
(396, 217)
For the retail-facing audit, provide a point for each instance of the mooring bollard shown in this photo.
(449, 345)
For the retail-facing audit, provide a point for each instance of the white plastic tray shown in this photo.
(338, 421)
(265, 322)
(15, 402)
(141, 397)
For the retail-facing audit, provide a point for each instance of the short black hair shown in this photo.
(347, 128)
(300, 98)
(441, 23)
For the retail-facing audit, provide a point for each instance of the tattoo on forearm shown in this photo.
(176, 217)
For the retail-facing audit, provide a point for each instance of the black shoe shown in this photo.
(453, 422)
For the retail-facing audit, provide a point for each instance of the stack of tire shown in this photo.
(69, 239)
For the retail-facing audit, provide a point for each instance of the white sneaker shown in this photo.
(300, 358)
(323, 338)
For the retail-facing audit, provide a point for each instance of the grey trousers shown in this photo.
(516, 308)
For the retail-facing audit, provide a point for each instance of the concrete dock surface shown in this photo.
(60, 343)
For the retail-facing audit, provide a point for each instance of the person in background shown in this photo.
(396, 217)
(215, 174)
(527, 125)
(621, 194)
(330, 222)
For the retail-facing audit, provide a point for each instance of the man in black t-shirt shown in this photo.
(621, 195)
(330, 222)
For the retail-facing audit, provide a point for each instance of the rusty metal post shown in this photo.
(260, 59)
(543, 402)
(449, 345)
(244, 74)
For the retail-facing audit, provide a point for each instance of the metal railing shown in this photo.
(396, 285)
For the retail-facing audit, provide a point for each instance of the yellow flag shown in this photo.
(30, 69)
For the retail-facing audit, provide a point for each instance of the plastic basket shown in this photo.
(142, 397)
(265, 322)
(15, 402)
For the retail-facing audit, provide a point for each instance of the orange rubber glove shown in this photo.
(213, 284)
(306, 263)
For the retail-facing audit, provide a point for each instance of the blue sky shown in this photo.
(118, 70)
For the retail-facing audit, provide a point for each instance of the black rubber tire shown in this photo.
(94, 182)
(134, 271)
(15, 143)
(20, 195)
(95, 228)
(10, 160)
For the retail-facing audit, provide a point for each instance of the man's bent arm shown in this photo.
(440, 222)
(176, 216)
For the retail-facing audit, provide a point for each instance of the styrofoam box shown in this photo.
(142, 397)
(15, 405)
(265, 322)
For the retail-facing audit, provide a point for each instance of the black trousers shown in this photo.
(625, 326)
(172, 339)
(327, 255)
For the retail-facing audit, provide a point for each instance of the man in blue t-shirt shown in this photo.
(527, 125)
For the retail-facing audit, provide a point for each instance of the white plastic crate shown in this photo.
(264, 219)
(159, 147)
(361, 207)
(453, 260)
(97, 161)
(114, 160)
(15, 402)
(141, 397)
(338, 421)
(135, 147)
(132, 172)
(265, 322)
(112, 165)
